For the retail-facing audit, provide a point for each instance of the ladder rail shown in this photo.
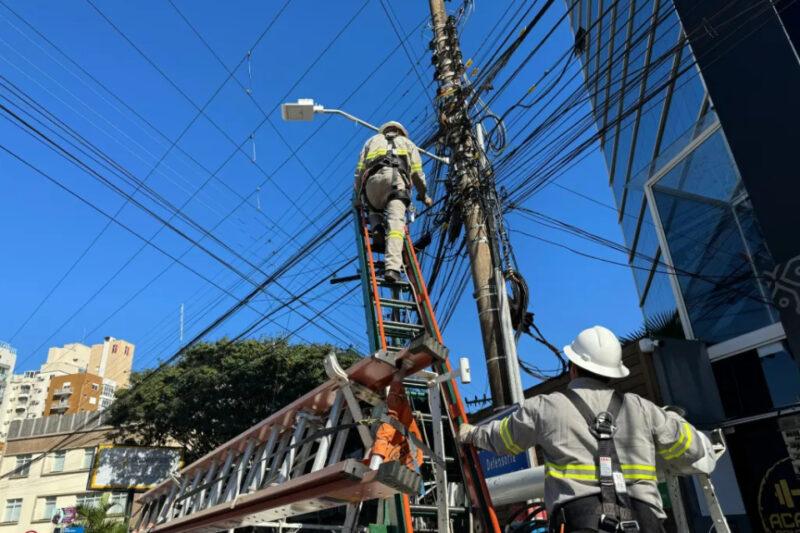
(470, 467)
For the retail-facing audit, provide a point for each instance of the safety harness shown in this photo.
(616, 511)
(400, 170)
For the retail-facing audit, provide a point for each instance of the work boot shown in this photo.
(392, 276)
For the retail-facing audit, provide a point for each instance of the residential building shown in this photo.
(113, 359)
(26, 397)
(8, 357)
(73, 393)
(70, 358)
(692, 102)
(32, 489)
(93, 373)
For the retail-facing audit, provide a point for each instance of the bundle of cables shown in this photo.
(531, 522)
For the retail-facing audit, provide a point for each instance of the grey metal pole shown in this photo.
(465, 158)
(373, 127)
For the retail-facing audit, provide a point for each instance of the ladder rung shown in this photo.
(402, 285)
(432, 509)
(398, 304)
(402, 328)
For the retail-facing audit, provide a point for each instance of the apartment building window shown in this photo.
(127, 350)
(58, 461)
(13, 509)
(95, 386)
(47, 507)
(23, 466)
(114, 348)
(108, 389)
(118, 502)
(104, 403)
(88, 458)
(89, 499)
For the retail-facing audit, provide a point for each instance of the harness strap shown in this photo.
(399, 166)
(617, 512)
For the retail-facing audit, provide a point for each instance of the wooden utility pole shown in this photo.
(465, 156)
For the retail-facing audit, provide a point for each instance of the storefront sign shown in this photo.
(132, 467)
(779, 499)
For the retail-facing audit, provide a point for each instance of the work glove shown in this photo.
(428, 201)
(465, 433)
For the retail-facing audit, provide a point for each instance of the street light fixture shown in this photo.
(305, 108)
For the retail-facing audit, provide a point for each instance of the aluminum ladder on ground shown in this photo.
(297, 460)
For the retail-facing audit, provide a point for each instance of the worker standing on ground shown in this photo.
(600, 447)
(388, 166)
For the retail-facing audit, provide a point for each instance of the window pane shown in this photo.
(781, 373)
(694, 200)
(742, 386)
(48, 508)
(89, 499)
(88, 457)
(23, 466)
(13, 509)
(58, 461)
(118, 502)
(660, 302)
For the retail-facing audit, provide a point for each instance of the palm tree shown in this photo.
(666, 324)
(94, 518)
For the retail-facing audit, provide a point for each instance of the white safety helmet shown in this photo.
(598, 350)
(395, 125)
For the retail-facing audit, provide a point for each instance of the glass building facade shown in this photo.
(695, 248)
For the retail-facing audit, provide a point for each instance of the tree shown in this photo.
(94, 518)
(216, 391)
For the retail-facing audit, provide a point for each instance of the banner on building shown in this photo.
(132, 467)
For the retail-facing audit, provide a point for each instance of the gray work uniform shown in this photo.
(380, 185)
(550, 421)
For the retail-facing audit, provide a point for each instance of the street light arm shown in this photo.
(345, 114)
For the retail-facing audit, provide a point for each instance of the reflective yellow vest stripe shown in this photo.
(681, 446)
(505, 434)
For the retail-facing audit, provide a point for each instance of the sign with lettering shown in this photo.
(779, 499)
(132, 467)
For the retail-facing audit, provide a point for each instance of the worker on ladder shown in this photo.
(388, 166)
(599, 447)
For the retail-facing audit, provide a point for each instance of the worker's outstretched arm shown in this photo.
(510, 436)
(677, 442)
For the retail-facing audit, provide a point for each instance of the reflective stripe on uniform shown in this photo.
(416, 168)
(586, 472)
(681, 446)
(505, 434)
(395, 234)
(383, 151)
(376, 153)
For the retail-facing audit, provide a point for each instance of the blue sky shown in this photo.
(259, 211)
